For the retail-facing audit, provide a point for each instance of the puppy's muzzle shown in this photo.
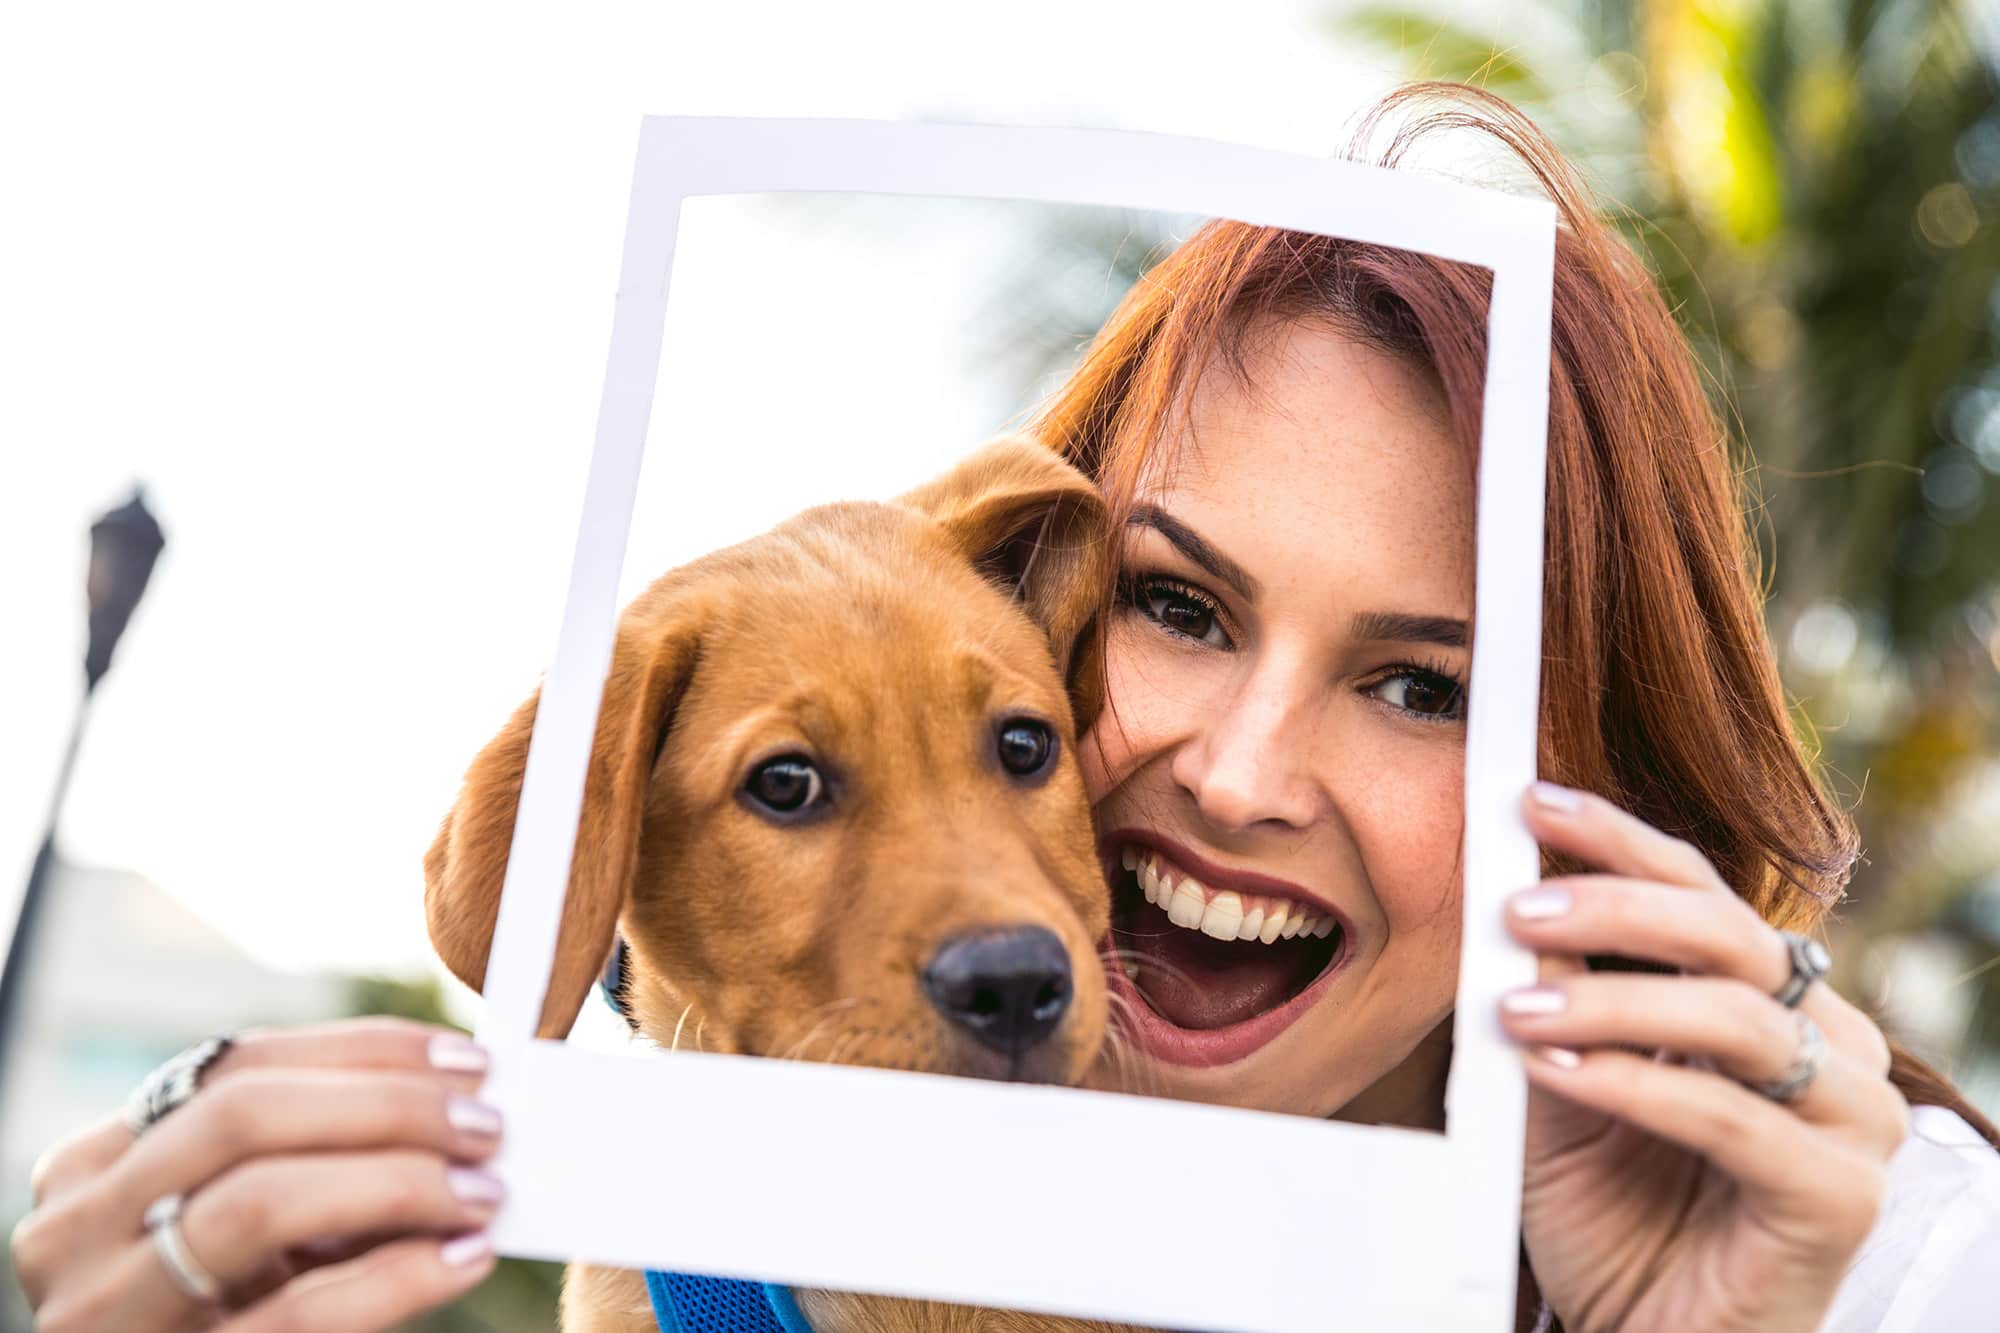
(1008, 989)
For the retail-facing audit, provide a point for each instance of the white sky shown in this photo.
(338, 289)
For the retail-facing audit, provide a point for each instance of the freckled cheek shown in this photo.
(1151, 703)
(1410, 823)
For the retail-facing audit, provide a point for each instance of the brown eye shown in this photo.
(1424, 693)
(1179, 609)
(1025, 746)
(787, 785)
(1189, 617)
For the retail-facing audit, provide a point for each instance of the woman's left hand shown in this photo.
(1661, 1191)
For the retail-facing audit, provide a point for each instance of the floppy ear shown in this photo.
(1037, 527)
(650, 667)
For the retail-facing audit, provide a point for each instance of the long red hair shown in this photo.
(1660, 691)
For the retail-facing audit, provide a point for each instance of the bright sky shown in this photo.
(338, 290)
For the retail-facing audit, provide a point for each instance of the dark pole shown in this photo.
(123, 546)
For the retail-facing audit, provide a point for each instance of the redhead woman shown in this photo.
(1288, 423)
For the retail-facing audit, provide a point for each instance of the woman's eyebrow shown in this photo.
(1401, 627)
(1192, 545)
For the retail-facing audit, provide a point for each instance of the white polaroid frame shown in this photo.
(992, 1194)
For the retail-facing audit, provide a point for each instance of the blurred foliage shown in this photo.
(1817, 187)
(1071, 272)
(520, 1295)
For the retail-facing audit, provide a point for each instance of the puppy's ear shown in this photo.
(1037, 527)
(650, 666)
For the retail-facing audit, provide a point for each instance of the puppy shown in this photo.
(833, 809)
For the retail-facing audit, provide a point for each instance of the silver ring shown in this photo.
(163, 1223)
(168, 1088)
(1805, 1064)
(1810, 961)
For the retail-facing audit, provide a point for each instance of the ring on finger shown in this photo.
(1809, 961)
(163, 1224)
(1806, 1061)
(169, 1087)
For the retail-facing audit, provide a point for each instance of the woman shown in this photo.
(1289, 424)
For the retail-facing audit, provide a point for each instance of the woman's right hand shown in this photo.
(331, 1177)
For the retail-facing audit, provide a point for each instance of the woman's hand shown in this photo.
(1661, 1192)
(331, 1182)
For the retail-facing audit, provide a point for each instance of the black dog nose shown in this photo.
(1007, 988)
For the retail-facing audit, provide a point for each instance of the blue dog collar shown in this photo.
(689, 1303)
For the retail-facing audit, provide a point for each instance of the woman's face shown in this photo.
(1278, 779)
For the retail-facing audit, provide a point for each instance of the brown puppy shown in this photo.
(833, 808)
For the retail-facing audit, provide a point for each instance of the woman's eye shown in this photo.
(1181, 609)
(1025, 746)
(1425, 693)
(786, 785)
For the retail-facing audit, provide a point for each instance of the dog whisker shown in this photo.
(678, 1025)
(822, 1016)
(1118, 1057)
(1117, 957)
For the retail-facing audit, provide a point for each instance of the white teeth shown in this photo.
(1224, 916)
(1131, 971)
(1253, 923)
(1188, 905)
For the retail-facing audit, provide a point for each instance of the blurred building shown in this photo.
(121, 978)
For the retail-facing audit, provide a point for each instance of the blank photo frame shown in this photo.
(994, 1194)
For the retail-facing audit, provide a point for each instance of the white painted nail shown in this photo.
(1559, 1056)
(471, 1117)
(1535, 1000)
(471, 1185)
(1540, 904)
(1560, 800)
(458, 1055)
(465, 1251)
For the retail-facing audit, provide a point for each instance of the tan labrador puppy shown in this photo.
(834, 810)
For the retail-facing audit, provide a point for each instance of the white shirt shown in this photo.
(1932, 1262)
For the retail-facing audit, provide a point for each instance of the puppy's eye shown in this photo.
(1026, 746)
(786, 785)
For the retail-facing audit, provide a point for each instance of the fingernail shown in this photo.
(1540, 904)
(458, 1055)
(471, 1185)
(1559, 1056)
(1535, 1000)
(471, 1117)
(1560, 800)
(465, 1251)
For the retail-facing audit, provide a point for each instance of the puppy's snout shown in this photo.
(1007, 988)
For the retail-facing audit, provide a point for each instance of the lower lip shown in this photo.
(1206, 1048)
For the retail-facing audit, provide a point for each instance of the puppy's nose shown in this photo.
(1007, 988)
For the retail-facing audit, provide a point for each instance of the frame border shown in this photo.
(589, 1177)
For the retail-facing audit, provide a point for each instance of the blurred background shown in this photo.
(336, 290)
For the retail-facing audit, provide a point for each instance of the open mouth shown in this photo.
(1219, 962)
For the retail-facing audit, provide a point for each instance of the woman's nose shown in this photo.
(1250, 764)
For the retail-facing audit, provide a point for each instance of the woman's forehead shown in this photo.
(1319, 435)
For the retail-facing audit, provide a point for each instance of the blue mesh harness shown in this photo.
(688, 1302)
